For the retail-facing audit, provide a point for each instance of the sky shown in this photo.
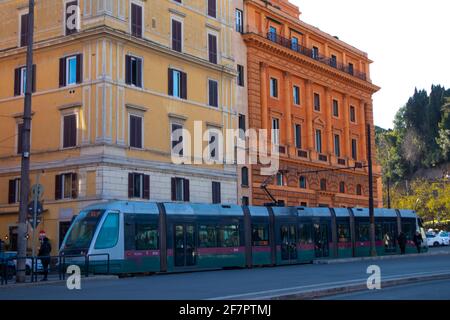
(408, 40)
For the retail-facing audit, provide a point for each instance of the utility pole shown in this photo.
(373, 251)
(389, 192)
(25, 166)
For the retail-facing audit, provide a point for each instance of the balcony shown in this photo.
(287, 43)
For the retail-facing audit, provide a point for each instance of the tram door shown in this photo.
(288, 242)
(321, 245)
(184, 245)
(389, 237)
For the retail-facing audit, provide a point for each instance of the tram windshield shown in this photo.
(82, 231)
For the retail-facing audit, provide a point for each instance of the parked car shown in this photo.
(434, 240)
(12, 262)
(445, 236)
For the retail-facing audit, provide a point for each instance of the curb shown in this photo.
(53, 282)
(320, 293)
(397, 256)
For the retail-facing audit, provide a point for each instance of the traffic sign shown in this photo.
(39, 210)
(37, 190)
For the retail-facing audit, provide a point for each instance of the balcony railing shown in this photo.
(288, 43)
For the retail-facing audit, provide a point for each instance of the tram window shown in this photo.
(363, 232)
(408, 231)
(207, 236)
(260, 235)
(343, 233)
(109, 233)
(305, 233)
(378, 232)
(228, 236)
(140, 233)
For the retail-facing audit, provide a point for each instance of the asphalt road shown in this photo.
(233, 284)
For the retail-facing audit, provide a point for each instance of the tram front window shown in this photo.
(82, 231)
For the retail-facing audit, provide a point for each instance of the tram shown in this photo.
(151, 237)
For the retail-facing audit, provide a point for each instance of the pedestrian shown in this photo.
(2, 245)
(386, 240)
(402, 242)
(418, 241)
(44, 252)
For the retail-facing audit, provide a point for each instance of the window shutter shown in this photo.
(73, 131)
(138, 17)
(170, 82)
(174, 189)
(19, 138)
(58, 191)
(24, 30)
(139, 73)
(33, 81)
(186, 190)
(146, 187)
(62, 72)
(132, 131)
(139, 132)
(79, 68)
(12, 191)
(183, 85)
(17, 79)
(130, 185)
(74, 186)
(216, 192)
(128, 69)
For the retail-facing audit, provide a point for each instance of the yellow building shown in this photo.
(108, 97)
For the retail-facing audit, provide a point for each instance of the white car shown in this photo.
(445, 236)
(435, 240)
(28, 262)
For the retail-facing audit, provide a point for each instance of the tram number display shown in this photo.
(94, 213)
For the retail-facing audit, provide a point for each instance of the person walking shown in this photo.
(418, 241)
(44, 252)
(402, 242)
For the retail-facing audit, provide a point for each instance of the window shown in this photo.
(216, 196)
(260, 235)
(138, 186)
(207, 236)
(333, 61)
(136, 20)
(276, 131)
(241, 75)
(212, 48)
(303, 204)
(66, 186)
(302, 182)
(298, 136)
(280, 179)
(141, 232)
(315, 53)
(342, 187)
(71, 25)
(306, 233)
(109, 233)
(177, 35)
(316, 101)
(335, 108)
(228, 236)
(24, 30)
(135, 131)
(273, 88)
(296, 94)
(176, 139)
(352, 114)
(212, 8)
(213, 146)
(294, 43)
(20, 80)
(19, 138)
(64, 227)
(245, 201)
(359, 190)
(239, 21)
(213, 94)
(273, 34)
(350, 68)
(242, 126)
(180, 189)
(343, 232)
(177, 84)
(70, 131)
(319, 141)
(14, 191)
(323, 184)
(133, 71)
(70, 70)
(354, 150)
(362, 232)
(244, 177)
(337, 145)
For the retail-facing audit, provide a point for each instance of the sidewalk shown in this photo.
(54, 280)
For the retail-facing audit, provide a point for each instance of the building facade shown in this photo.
(109, 98)
(314, 94)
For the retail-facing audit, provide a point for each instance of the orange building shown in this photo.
(315, 92)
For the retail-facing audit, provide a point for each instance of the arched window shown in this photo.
(302, 182)
(244, 176)
(359, 190)
(323, 184)
(342, 187)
